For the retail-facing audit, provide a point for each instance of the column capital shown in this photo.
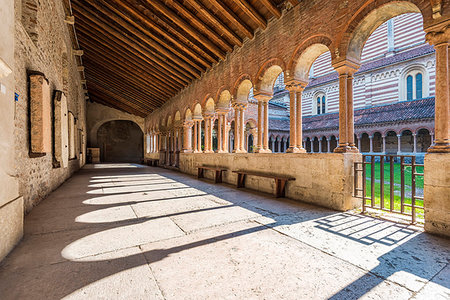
(222, 111)
(296, 85)
(346, 67)
(438, 34)
(239, 105)
(208, 116)
(263, 97)
(188, 123)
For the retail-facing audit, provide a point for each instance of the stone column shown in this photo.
(439, 37)
(273, 145)
(384, 144)
(187, 136)
(299, 121)
(284, 145)
(195, 136)
(399, 144)
(242, 130)
(415, 142)
(359, 144)
(263, 123)
(346, 69)
(292, 121)
(320, 146)
(220, 134)
(236, 129)
(225, 134)
(328, 145)
(199, 136)
(371, 143)
(432, 137)
(208, 133)
(260, 130)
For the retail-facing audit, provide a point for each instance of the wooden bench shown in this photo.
(153, 162)
(218, 172)
(280, 180)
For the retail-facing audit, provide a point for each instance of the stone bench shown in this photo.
(280, 180)
(218, 172)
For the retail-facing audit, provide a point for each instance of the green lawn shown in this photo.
(397, 182)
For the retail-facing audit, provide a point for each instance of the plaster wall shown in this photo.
(11, 204)
(321, 179)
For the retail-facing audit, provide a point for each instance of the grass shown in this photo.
(397, 187)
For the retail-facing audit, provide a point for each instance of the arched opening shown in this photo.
(308, 145)
(215, 141)
(231, 137)
(271, 143)
(315, 147)
(333, 143)
(377, 142)
(407, 142)
(365, 143)
(276, 145)
(250, 144)
(423, 140)
(283, 144)
(391, 142)
(323, 145)
(120, 141)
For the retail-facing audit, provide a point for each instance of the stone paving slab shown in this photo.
(150, 233)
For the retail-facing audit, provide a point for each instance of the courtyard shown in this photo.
(135, 232)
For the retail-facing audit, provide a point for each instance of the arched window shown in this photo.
(409, 87)
(415, 84)
(419, 86)
(321, 103)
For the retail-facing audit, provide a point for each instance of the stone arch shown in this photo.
(169, 121)
(267, 74)
(197, 109)
(242, 88)
(188, 114)
(367, 20)
(94, 129)
(209, 106)
(412, 70)
(223, 99)
(121, 141)
(305, 55)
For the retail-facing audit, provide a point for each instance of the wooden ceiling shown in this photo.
(140, 53)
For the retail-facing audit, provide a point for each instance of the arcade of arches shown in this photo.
(188, 84)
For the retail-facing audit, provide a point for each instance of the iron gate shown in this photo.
(391, 183)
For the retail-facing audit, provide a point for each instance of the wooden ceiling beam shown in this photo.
(252, 13)
(95, 62)
(129, 85)
(100, 87)
(274, 10)
(233, 18)
(132, 42)
(103, 37)
(96, 94)
(119, 89)
(174, 32)
(127, 23)
(155, 27)
(201, 25)
(236, 39)
(162, 8)
(120, 57)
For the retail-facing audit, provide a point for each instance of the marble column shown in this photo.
(219, 134)
(399, 144)
(260, 130)
(263, 123)
(371, 143)
(241, 130)
(187, 136)
(415, 142)
(195, 136)
(266, 126)
(346, 69)
(208, 133)
(292, 121)
(439, 36)
(328, 145)
(199, 136)
(384, 144)
(236, 129)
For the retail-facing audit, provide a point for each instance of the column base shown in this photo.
(221, 151)
(239, 151)
(295, 150)
(263, 151)
(208, 151)
(346, 149)
(187, 151)
(196, 151)
(439, 148)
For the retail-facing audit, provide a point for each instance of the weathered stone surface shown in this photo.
(40, 114)
(11, 225)
(61, 129)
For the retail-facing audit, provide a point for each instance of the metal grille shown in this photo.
(391, 183)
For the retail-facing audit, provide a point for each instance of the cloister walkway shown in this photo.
(133, 232)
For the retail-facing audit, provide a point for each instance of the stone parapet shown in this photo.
(321, 179)
(437, 193)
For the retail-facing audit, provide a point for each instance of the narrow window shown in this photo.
(419, 86)
(323, 104)
(409, 87)
(318, 105)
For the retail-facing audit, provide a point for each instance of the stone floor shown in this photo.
(132, 232)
